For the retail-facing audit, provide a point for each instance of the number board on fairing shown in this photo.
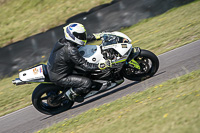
(124, 45)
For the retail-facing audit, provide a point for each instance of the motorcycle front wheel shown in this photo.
(49, 99)
(149, 65)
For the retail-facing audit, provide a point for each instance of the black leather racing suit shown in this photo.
(62, 60)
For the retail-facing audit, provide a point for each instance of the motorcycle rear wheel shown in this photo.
(149, 65)
(43, 99)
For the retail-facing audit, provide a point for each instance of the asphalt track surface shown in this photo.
(173, 64)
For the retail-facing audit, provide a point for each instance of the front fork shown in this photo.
(131, 59)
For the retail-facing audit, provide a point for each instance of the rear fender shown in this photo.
(37, 74)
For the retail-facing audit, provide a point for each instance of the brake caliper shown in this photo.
(135, 64)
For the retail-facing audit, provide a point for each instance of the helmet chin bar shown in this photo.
(79, 42)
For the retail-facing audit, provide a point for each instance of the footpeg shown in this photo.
(71, 95)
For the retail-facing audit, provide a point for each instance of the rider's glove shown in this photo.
(104, 64)
(97, 36)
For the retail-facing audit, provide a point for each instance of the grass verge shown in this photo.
(172, 106)
(159, 34)
(175, 28)
(13, 97)
(23, 18)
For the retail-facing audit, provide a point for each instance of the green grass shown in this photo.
(22, 18)
(159, 34)
(175, 28)
(13, 97)
(172, 106)
(170, 30)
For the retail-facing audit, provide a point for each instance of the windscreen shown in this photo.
(109, 39)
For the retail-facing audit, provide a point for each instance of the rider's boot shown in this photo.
(73, 96)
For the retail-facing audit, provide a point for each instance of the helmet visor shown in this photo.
(81, 36)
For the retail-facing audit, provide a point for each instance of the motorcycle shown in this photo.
(128, 62)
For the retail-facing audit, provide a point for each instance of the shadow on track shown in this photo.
(111, 92)
(159, 73)
(104, 95)
(96, 98)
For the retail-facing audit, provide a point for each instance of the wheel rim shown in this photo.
(48, 100)
(145, 66)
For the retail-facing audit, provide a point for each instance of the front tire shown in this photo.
(43, 96)
(149, 65)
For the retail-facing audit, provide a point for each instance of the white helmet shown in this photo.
(76, 32)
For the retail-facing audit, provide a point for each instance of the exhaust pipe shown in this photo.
(17, 81)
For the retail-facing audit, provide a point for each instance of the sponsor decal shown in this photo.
(35, 71)
(124, 45)
(41, 71)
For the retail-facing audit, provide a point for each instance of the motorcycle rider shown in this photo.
(65, 56)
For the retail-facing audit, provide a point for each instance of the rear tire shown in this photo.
(149, 65)
(42, 98)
